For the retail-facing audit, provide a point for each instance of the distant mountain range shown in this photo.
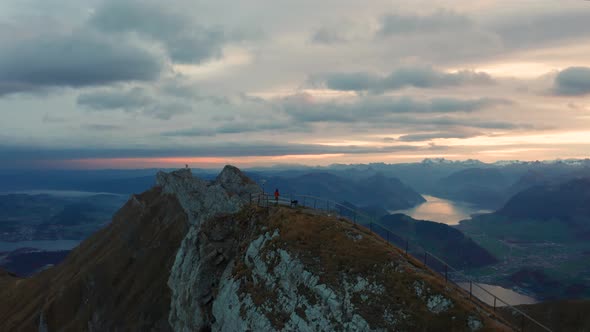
(562, 201)
(484, 187)
(376, 190)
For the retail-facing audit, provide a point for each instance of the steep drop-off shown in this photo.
(114, 280)
(194, 255)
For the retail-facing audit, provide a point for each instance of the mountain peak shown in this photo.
(194, 255)
(236, 182)
(202, 199)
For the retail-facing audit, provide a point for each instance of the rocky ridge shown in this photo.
(201, 200)
(194, 255)
(243, 268)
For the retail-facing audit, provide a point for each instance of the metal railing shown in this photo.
(408, 246)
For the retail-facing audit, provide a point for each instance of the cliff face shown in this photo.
(247, 268)
(298, 271)
(190, 281)
(191, 255)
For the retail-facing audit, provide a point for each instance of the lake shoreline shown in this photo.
(442, 211)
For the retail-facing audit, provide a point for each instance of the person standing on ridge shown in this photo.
(277, 196)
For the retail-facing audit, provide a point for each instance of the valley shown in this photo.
(524, 255)
(442, 210)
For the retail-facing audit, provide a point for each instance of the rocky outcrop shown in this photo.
(193, 255)
(286, 270)
(201, 200)
(244, 268)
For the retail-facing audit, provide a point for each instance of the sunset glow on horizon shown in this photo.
(349, 82)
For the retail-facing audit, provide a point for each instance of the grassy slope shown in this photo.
(118, 275)
(330, 247)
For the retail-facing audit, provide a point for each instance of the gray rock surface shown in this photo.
(300, 302)
(234, 274)
(201, 201)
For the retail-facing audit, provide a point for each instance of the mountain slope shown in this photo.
(285, 269)
(480, 186)
(566, 200)
(115, 279)
(447, 242)
(239, 267)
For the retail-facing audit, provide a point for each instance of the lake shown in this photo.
(442, 210)
(508, 295)
(53, 245)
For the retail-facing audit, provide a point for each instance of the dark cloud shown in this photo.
(573, 81)
(191, 132)
(420, 137)
(211, 150)
(441, 20)
(450, 105)
(127, 100)
(446, 121)
(76, 60)
(518, 32)
(419, 77)
(326, 35)
(184, 39)
(133, 100)
(379, 109)
(239, 128)
(359, 81)
(48, 118)
(182, 88)
(100, 127)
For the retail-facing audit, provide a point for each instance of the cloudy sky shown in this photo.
(118, 83)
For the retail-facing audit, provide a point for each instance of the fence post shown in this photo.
(495, 303)
(470, 288)
(406, 247)
(446, 273)
(425, 253)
